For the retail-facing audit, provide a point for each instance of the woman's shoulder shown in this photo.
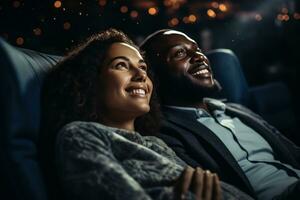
(84, 131)
(81, 126)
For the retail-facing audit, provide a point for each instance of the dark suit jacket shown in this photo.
(198, 146)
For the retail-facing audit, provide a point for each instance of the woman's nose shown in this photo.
(139, 75)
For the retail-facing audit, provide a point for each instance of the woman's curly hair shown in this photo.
(69, 90)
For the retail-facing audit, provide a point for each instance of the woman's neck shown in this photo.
(121, 124)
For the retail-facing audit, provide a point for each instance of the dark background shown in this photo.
(265, 34)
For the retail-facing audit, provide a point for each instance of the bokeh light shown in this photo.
(185, 20)
(223, 7)
(215, 4)
(152, 11)
(173, 22)
(192, 18)
(284, 10)
(211, 13)
(16, 4)
(296, 15)
(20, 41)
(37, 31)
(124, 9)
(134, 14)
(258, 17)
(57, 4)
(67, 25)
(102, 2)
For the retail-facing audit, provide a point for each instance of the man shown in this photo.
(227, 139)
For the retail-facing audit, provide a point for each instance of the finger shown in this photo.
(184, 183)
(217, 188)
(208, 185)
(197, 183)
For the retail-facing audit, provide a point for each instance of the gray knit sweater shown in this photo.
(99, 162)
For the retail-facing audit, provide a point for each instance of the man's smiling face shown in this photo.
(187, 71)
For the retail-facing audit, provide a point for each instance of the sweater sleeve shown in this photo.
(89, 170)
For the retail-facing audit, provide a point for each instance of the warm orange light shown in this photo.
(280, 17)
(20, 41)
(211, 13)
(258, 17)
(192, 18)
(223, 7)
(173, 22)
(57, 4)
(286, 17)
(134, 14)
(185, 20)
(215, 4)
(37, 31)
(296, 15)
(167, 3)
(102, 2)
(16, 4)
(152, 11)
(124, 9)
(284, 10)
(67, 25)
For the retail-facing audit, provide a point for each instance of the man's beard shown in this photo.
(183, 89)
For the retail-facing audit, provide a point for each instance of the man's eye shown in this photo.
(180, 53)
(121, 65)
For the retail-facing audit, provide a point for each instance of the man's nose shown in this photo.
(198, 57)
(139, 75)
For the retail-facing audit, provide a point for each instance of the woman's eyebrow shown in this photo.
(125, 58)
(118, 57)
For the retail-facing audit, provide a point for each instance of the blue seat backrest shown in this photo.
(271, 101)
(21, 76)
(228, 71)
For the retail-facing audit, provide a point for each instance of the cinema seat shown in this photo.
(272, 101)
(21, 75)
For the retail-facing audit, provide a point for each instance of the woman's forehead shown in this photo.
(122, 49)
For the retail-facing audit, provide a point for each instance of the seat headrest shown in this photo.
(21, 76)
(229, 73)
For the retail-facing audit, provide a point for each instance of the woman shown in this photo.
(99, 96)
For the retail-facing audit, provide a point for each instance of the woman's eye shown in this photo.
(180, 53)
(144, 68)
(121, 65)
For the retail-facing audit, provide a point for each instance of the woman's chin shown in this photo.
(142, 110)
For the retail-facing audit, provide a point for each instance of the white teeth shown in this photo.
(138, 91)
(202, 71)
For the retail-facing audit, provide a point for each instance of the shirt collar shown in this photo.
(190, 111)
(214, 105)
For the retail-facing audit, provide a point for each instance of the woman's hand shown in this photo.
(204, 184)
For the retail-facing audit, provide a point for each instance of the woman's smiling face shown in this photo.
(125, 86)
